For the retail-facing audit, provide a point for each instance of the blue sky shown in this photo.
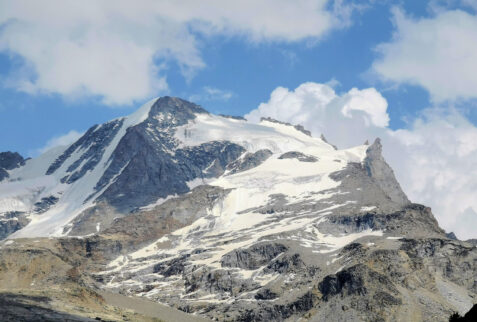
(413, 63)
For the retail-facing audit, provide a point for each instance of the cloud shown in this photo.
(434, 159)
(209, 93)
(61, 140)
(357, 111)
(436, 53)
(119, 51)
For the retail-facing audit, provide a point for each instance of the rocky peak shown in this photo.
(11, 160)
(381, 172)
(174, 111)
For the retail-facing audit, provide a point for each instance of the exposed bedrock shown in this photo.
(299, 156)
(252, 257)
(382, 173)
(413, 220)
(249, 161)
(9, 161)
(11, 222)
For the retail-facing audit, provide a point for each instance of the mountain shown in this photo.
(229, 220)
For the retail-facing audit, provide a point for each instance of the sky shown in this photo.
(404, 71)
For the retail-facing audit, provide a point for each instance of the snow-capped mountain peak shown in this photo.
(165, 148)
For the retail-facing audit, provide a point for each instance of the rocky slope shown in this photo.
(231, 221)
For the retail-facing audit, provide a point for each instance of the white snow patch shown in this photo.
(337, 242)
(364, 209)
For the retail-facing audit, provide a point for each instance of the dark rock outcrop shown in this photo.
(249, 161)
(12, 221)
(299, 156)
(3, 174)
(451, 235)
(45, 203)
(11, 160)
(253, 257)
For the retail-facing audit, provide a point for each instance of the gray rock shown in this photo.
(472, 241)
(353, 281)
(253, 257)
(382, 173)
(11, 160)
(45, 204)
(451, 235)
(11, 222)
(299, 156)
(249, 161)
(3, 174)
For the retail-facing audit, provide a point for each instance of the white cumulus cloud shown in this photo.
(119, 50)
(436, 53)
(434, 159)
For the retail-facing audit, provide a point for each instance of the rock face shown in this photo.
(249, 161)
(380, 171)
(3, 174)
(11, 222)
(299, 156)
(232, 221)
(9, 161)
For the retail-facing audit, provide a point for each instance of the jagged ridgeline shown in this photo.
(226, 219)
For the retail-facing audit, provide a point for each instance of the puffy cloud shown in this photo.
(119, 50)
(318, 107)
(61, 140)
(434, 159)
(437, 53)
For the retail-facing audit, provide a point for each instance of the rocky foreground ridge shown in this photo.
(223, 219)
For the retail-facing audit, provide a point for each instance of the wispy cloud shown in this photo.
(209, 93)
(436, 53)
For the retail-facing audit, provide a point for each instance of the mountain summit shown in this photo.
(234, 220)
